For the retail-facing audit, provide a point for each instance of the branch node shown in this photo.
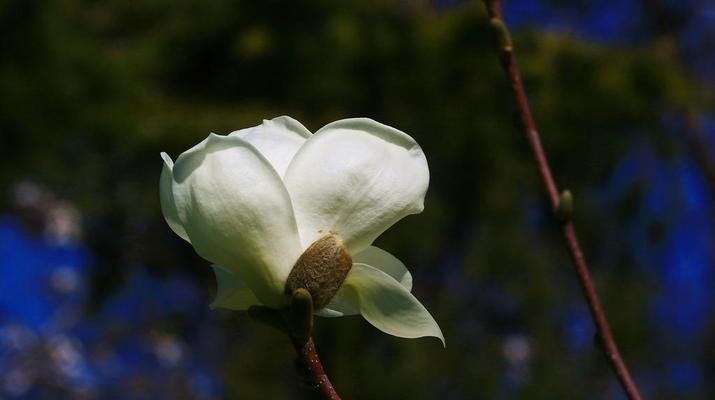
(503, 37)
(563, 204)
(564, 211)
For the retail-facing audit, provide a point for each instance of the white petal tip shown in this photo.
(214, 136)
(388, 305)
(328, 313)
(291, 124)
(167, 160)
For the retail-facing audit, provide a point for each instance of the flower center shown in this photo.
(321, 270)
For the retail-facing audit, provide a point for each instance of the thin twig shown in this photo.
(668, 26)
(309, 357)
(700, 147)
(529, 126)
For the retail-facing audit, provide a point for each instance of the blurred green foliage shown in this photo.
(91, 92)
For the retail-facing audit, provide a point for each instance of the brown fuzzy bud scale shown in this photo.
(321, 270)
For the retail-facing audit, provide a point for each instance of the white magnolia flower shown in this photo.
(275, 208)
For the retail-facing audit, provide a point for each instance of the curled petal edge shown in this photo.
(166, 198)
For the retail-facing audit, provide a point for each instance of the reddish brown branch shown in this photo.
(529, 126)
(309, 357)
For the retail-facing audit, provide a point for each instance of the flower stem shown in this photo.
(298, 318)
(529, 127)
(309, 357)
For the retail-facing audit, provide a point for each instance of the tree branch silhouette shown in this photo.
(668, 25)
(697, 142)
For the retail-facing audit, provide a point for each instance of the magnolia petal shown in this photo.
(356, 177)
(277, 139)
(385, 262)
(166, 198)
(231, 293)
(237, 213)
(387, 305)
(339, 306)
(377, 258)
(329, 313)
